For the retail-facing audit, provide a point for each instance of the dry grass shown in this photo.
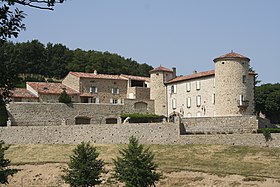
(216, 159)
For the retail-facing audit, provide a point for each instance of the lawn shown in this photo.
(213, 159)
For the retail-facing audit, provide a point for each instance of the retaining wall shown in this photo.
(53, 113)
(230, 124)
(149, 133)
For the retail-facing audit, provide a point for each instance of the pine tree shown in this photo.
(3, 113)
(64, 97)
(4, 163)
(136, 167)
(84, 168)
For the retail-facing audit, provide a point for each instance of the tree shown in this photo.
(84, 168)
(268, 101)
(3, 113)
(135, 167)
(64, 97)
(4, 163)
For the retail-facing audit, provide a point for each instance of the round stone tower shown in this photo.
(234, 86)
(158, 77)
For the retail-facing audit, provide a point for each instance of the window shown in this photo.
(93, 89)
(241, 99)
(173, 89)
(197, 85)
(188, 102)
(113, 101)
(244, 79)
(188, 87)
(115, 91)
(198, 101)
(214, 83)
(93, 100)
(213, 98)
(173, 103)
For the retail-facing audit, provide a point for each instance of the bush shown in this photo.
(142, 118)
(271, 130)
(136, 167)
(64, 97)
(4, 163)
(84, 168)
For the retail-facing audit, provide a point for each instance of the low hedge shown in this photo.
(142, 118)
(271, 130)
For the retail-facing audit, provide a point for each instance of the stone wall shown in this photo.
(155, 133)
(230, 124)
(53, 113)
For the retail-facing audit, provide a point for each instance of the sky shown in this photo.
(186, 34)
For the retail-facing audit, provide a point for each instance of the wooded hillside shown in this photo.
(56, 60)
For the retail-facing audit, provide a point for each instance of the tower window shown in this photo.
(174, 104)
(244, 78)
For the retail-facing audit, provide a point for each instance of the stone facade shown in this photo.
(159, 77)
(190, 101)
(226, 91)
(233, 83)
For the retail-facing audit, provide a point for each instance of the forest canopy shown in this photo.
(56, 60)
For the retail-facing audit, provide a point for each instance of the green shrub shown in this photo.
(271, 130)
(64, 97)
(142, 118)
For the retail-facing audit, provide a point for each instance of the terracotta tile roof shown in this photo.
(86, 95)
(231, 55)
(51, 88)
(96, 76)
(192, 76)
(22, 93)
(198, 75)
(161, 68)
(138, 78)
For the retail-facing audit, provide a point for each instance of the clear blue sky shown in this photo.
(187, 34)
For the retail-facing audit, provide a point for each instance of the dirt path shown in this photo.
(47, 175)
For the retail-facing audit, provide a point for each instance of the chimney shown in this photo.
(194, 72)
(174, 72)
(95, 72)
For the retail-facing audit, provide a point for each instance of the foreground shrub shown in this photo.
(135, 167)
(4, 163)
(84, 168)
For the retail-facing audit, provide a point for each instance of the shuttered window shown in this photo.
(188, 86)
(189, 102)
(198, 101)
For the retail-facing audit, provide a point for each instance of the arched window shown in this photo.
(140, 106)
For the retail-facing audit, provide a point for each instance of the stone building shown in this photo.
(226, 91)
(87, 88)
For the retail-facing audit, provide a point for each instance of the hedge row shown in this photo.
(142, 118)
(271, 130)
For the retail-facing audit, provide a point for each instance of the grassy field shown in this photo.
(213, 159)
